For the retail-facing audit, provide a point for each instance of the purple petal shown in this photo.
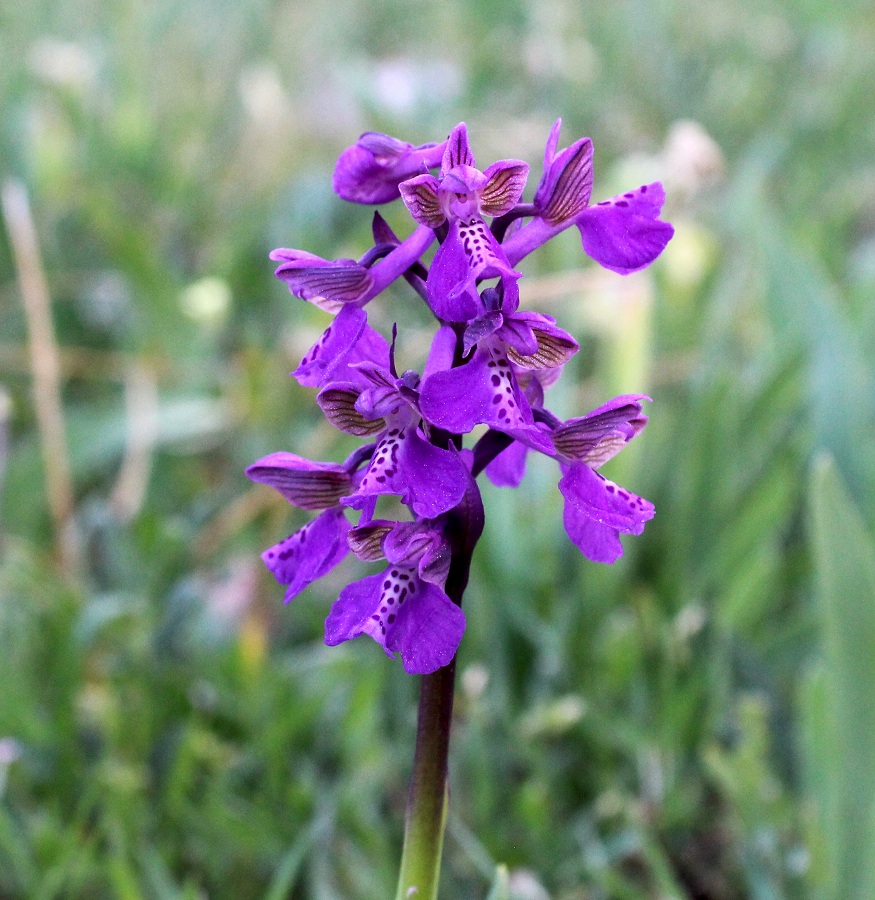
(430, 480)
(428, 630)
(309, 553)
(326, 284)
(566, 185)
(452, 292)
(383, 475)
(357, 610)
(371, 170)
(505, 181)
(517, 333)
(552, 144)
(482, 391)
(347, 340)
(480, 328)
(553, 346)
(304, 483)
(597, 542)
(420, 196)
(624, 234)
(436, 479)
(366, 541)
(469, 252)
(403, 615)
(509, 467)
(422, 546)
(338, 402)
(462, 180)
(599, 435)
(443, 349)
(604, 501)
(458, 150)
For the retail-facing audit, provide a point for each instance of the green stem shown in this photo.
(429, 790)
(427, 800)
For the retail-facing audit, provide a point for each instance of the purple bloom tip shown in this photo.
(370, 171)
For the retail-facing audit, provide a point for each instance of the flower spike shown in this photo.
(490, 366)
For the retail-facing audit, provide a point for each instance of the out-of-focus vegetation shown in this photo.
(695, 721)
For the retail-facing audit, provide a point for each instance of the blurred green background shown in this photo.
(697, 720)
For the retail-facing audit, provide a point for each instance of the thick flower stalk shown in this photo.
(489, 367)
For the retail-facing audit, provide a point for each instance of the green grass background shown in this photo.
(695, 721)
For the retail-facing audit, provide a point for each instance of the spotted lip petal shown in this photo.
(482, 391)
(347, 340)
(427, 478)
(605, 502)
(597, 511)
(469, 252)
(625, 234)
(403, 614)
(595, 541)
(310, 553)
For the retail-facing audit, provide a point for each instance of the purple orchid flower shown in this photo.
(623, 234)
(461, 196)
(429, 479)
(485, 389)
(370, 171)
(597, 510)
(404, 608)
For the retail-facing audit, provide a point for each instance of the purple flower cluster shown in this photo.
(489, 365)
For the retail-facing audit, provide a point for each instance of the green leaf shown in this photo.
(844, 559)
